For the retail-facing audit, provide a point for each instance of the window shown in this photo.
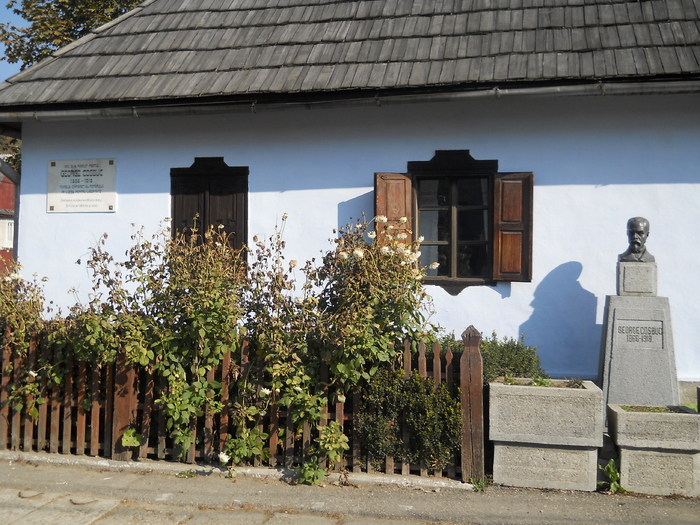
(475, 222)
(213, 191)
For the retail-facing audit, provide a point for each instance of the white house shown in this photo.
(266, 107)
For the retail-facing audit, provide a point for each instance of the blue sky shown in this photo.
(6, 15)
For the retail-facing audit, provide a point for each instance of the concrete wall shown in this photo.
(597, 162)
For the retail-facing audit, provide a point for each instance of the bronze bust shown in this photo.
(637, 233)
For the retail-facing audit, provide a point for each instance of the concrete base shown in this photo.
(639, 364)
(547, 467)
(546, 437)
(660, 472)
(659, 452)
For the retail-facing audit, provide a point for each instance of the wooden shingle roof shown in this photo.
(169, 50)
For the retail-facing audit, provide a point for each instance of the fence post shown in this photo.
(125, 399)
(472, 389)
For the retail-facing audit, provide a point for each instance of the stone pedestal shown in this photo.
(639, 365)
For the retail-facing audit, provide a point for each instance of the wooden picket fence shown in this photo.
(88, 413)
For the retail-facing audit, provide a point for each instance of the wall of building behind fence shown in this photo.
(597, 161)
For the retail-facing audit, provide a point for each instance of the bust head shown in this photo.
(637, 233)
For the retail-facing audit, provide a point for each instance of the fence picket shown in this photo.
(146, 413)
(340, 418)
(225, 385)
(289, 441)
(43, 407)
(209, 423)
(81, 414)
(28, 419)
(160, 447)
(67, 408)
(471, 384)
(95, 412)
(5, 386)
(16, 414)
(55, 413)
(355, 460)
(274, 434)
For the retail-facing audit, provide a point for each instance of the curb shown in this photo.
(278, 474)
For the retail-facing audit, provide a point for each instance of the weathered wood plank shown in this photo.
(125, 400)
(67, 408)
(208, 450)
(5, 386)
(471, 385)
(146, 413)
(16, 414)
(28, 444)
(95, 418)
(422, 362)
(160, 447)
(55, 414)
(42, 422)
(81, 413)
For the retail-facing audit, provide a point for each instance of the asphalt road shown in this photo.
(37, 490)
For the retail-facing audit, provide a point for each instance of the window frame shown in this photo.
(510, 213)
(454, 242)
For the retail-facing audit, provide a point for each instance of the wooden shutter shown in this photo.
(217, 193)
(393, 198)
(512, 226)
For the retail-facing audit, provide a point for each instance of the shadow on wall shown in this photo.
(353, 208)
(563, 324)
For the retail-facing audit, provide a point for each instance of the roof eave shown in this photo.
(280, 101)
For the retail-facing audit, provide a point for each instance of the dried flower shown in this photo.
(265, 391)
(385, 250)
(380, 218)
(343, 255)
(357, 252)
(402, 236)
(299, 300)
(224, 458)
(293, 263)
(420, 239)
(285, 216)
(372, 234)
(434, 266)
(403, 220)
(220, 226)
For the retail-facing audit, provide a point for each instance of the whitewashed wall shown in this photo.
(597, 162)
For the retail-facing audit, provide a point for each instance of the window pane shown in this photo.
(433, 192)
(435, 225)
(435, 254)
(472, 192)
(472, 261)
(471, 225)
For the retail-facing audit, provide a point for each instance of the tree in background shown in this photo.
(54, 24)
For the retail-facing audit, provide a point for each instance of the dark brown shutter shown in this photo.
(512, 226)
(393, 198)
(217, 193)
(187, 201)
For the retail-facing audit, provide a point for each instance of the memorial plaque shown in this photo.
(77, 186)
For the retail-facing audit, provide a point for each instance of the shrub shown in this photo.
(509, 357)
(432, 421)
